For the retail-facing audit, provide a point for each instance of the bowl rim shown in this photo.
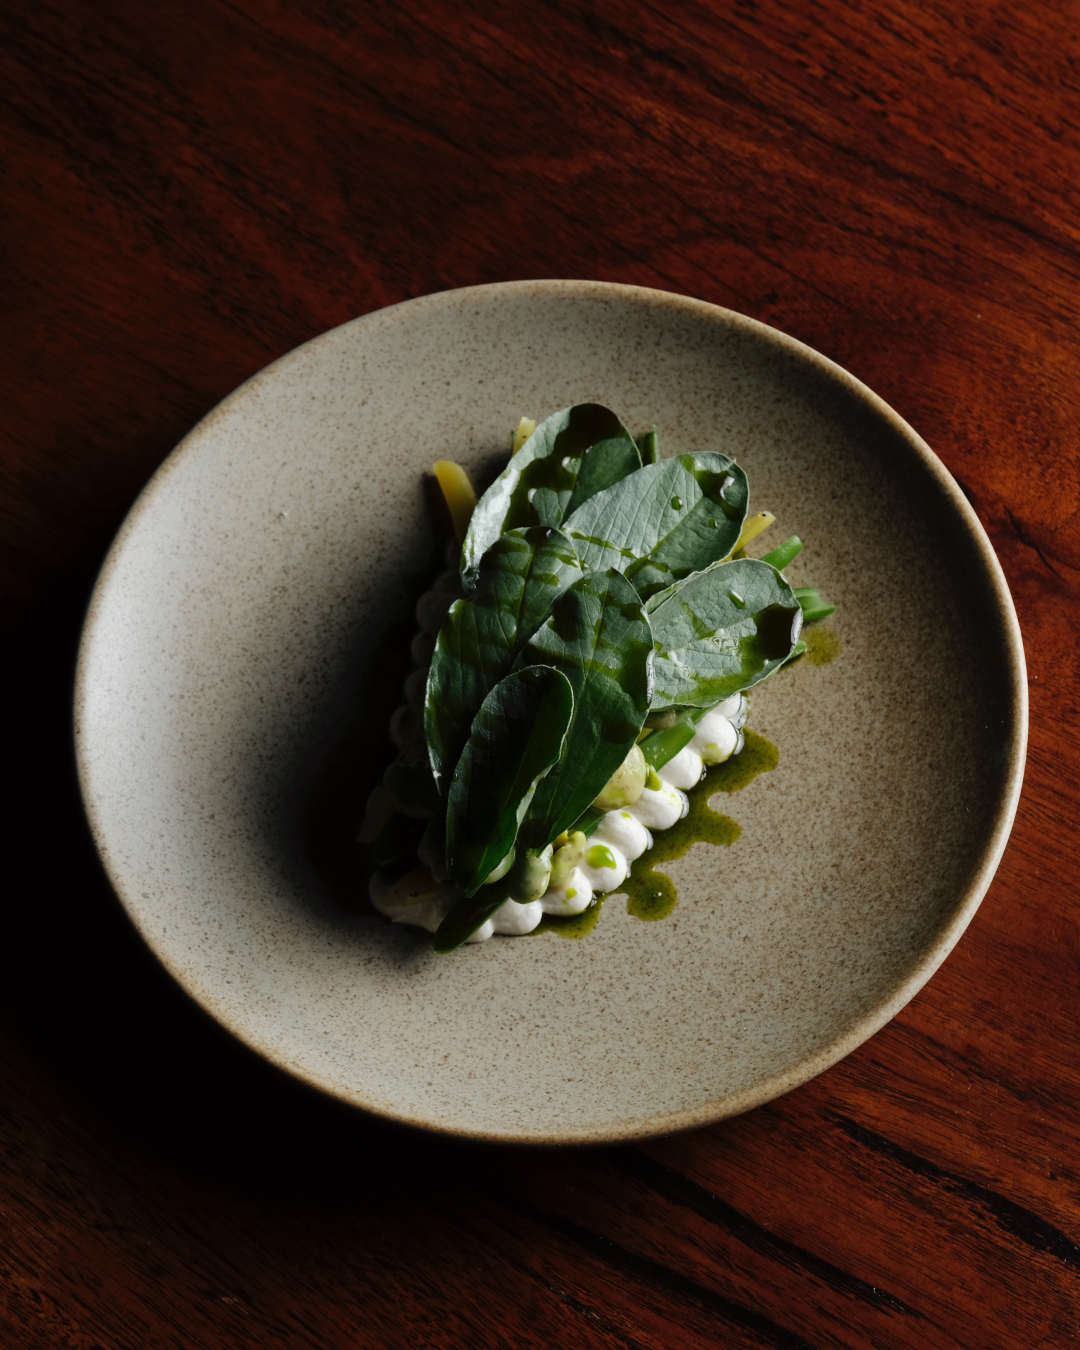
(967, 901)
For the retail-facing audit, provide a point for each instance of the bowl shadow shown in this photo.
(94, 1014)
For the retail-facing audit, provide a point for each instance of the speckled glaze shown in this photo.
(241, 655)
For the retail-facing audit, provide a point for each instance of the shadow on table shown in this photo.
(95, 1010)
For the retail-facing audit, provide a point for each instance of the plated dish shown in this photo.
(584, 658)
(238, 667)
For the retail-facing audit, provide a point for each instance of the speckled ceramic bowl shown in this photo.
(247, 635)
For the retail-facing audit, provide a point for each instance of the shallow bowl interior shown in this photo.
(245, 645)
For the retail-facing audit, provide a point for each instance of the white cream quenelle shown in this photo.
(600, 863)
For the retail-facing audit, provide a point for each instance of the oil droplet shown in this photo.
(600, 856)
(822, 644)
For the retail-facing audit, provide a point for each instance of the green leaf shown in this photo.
(518, 580)
(470, 912)
(658, 747)
(663, 522)
(720, 631)
(605, 463)
(599, 637)
(408, 781)
(517, 736)
(649, 445)
(530, 569)
(572, 455)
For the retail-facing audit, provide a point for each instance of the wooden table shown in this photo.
(193, 189)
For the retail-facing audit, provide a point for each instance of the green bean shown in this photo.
(783, 553)
(531, 875)
(665, 743)
(813, 607)
(568, 857)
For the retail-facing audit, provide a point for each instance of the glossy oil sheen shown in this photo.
(822, 644)
(652, 894)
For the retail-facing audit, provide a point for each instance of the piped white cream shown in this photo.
(621, 836)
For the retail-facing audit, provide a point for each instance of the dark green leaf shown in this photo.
(409, 783)
(649, 447)
(518, 580)
(663, 522)
(517, 736)
(470, 913)
(599, 637)
(574, 453)
(720, 631)
(463, 671)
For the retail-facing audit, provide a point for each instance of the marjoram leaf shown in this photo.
(517, 736)
(599, 637)
(573, 454)
(720, 631)
(663, 522)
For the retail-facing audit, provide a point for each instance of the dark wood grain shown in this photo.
(189, 192)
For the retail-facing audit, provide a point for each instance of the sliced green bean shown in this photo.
(666, 742)
(784, 553)
(812, 605)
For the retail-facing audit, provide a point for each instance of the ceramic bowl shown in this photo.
(245, 646)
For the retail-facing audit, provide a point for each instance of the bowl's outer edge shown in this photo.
(1010, 633)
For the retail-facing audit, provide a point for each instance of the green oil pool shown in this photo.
(651, 894)
(822, 645)
(572, 925)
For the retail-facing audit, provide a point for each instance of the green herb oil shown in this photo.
(757, 756)
(822, 645)
(651, 894)
(571, 925)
